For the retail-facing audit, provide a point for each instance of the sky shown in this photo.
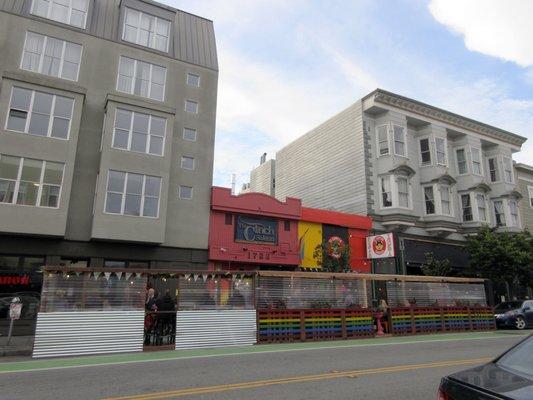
(285, 66)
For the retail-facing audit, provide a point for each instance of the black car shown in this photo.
(508, 377)
(514, 314)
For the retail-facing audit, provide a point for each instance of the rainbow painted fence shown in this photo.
(300, 325)
(417, 320)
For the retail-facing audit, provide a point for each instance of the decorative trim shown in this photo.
(404, 103)
(403, 168)
(480, 186)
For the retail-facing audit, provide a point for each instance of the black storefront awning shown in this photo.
(415, 250)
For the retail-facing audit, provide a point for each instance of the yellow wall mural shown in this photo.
(310, 236)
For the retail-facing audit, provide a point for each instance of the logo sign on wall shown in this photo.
(256, 230)
(380, 246)
(335, 247)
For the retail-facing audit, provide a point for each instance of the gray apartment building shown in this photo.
(428, 175)
(524, 176)
(107, 123)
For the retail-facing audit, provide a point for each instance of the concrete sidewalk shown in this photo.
(20, 364)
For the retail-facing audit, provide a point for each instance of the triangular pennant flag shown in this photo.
(107, 275)
(119, 274)
(128, 274)
(206, 277)
(195, 277)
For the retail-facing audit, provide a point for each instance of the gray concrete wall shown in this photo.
(326, 166)
(262, 178)
(182, 223)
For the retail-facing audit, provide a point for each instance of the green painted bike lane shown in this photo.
(127, 358)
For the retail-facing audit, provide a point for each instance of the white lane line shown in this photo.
(256, 352)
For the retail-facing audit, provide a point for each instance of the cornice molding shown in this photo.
(428, 111)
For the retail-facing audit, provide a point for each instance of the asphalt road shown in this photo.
(389, 371)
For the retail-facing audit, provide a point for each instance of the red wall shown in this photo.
(222, 246)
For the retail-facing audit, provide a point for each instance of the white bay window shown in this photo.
(132, 194)
(30, 182)
(437, 199)
(141, 78)
(395, 191)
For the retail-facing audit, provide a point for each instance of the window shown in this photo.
(513, 212)
(191, 106)
(39, 113)
(440, 150)
(494, 174)
(508, 170)
(30, 182)
(71, 12)
(530, 195)
(132, 194)
(481, 207)
(228, 219)
(193, 80)
(187, 163)
(499, 214)
(445, 200)
(185, 192)
(146, 30)
(383, 140)
(429, 200)
(141, 78)
(476, 161)
(461, 161)
(425, 152)
(189, 134)
(386, 194)
(467, 207)
(142, 133)
(287, 226)
(399, 140)
(403, 191)
(49, 56)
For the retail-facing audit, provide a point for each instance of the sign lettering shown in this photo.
(256, 230)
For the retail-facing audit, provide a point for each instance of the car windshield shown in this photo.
(508, 305)
(519, 359)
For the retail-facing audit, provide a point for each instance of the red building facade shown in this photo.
(256, 231)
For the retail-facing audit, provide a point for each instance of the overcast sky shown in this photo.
(288, 65)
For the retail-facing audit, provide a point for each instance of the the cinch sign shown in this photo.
(256, 230)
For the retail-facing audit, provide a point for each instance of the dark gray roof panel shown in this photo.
(194, 38)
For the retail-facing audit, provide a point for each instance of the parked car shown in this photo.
(509, 377)
(514, 314)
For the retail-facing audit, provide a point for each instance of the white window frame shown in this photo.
(505, 170)
(123, 193)
(484, 203)
(30, 113)
(41, 183)
(457, 161)
(195, 75)
(49, 13)
(403, 141)
(434, 200)
(130, 133)
(395, 195)
(503, 213)
(189, 101)
(193, 163)
(134, 77)
(513, 224)
(530, 195)
(185, 198)
(41, 57)
(378, 152)
(480, 162)
(497, 169)
(450, 200)
(469, 194)
(445, 142)
(425, 164)
(154, 32)
(195, 134)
